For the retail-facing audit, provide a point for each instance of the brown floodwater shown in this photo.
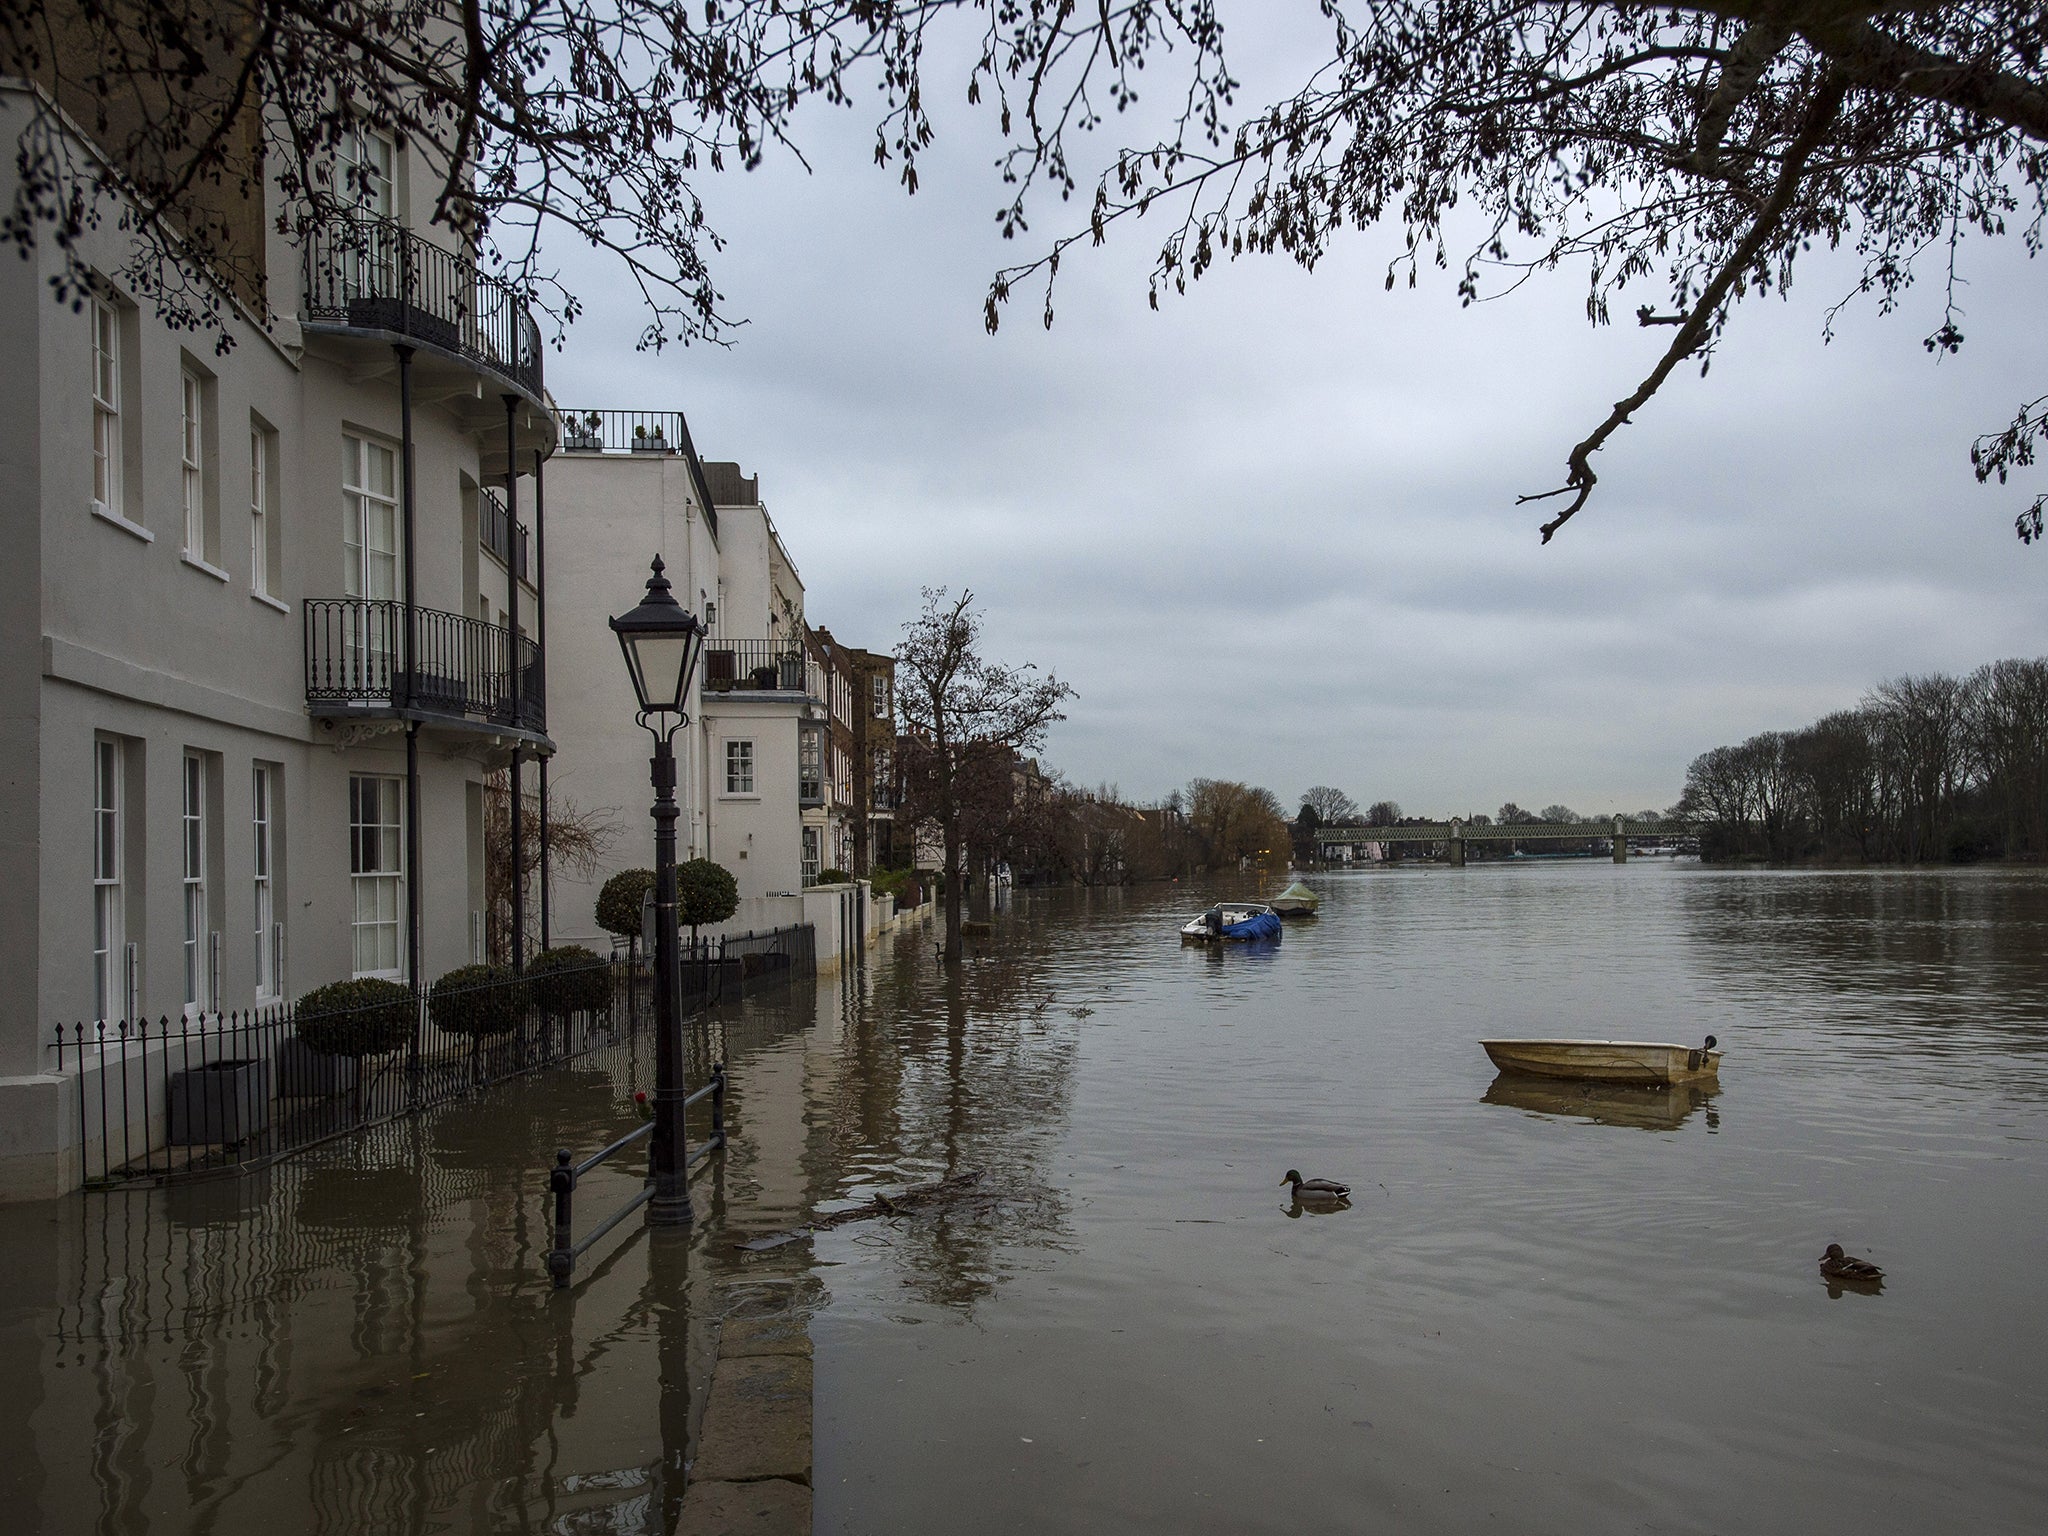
(1545, 1309)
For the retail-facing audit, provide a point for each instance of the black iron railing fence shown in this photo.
(623, 431)
(563, 1178)
(766, 666)
(200, 1092)
(713, 969)
(357, 651)
(180, 1095)
(373, 274)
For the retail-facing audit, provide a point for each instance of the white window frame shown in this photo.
(813, 854)
(263, 482)
(263, 778)
(739, 766)
(192, 462)
(359, 496)
(109, 893)
(879, 682)
(376, 861)
(379, 197)
(108, 490)
(192, 853)
(370, 640)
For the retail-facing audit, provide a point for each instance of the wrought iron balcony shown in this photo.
(374, 274)
(359, 655)
(760, 666)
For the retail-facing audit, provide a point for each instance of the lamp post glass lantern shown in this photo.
(660, 640)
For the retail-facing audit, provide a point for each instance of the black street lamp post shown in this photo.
(661, 642)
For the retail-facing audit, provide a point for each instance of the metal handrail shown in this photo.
(358, 651)
(496, 533)
(654, 433)
(564, 1176)
(371, 273)
(759, 666)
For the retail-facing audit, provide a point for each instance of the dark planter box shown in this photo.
(304, 1073)
(222, 1103)
(378, 314)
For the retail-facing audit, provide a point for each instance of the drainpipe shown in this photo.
(540, 626)
(409, 499)
(512, 656)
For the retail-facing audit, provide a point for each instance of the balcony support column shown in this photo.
(408, 505)
(540, 629)
(514, 668)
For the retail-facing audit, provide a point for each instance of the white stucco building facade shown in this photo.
(627, 487)
(258, 644)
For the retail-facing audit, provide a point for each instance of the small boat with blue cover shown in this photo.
(1233, 922)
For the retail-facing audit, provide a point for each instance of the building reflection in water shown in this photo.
(364, 1340)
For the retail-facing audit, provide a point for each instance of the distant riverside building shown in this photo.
(616, 499)
(255, 672)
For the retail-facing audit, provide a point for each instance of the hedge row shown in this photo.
(373, 1017)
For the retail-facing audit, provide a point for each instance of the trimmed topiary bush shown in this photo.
(705, 893)
(618, 904)
(569, 979)
(478, 1001)
(368, 1017)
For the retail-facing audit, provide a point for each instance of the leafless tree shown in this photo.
(549, 118)
(965, 719)
(576, 841)
(1332, 806)
(1235, 822)
(1702, 146)
(2008, 733)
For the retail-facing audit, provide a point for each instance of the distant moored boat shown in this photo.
(1296, 901)
(1236, 922)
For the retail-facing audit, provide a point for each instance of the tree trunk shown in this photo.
(955, 889)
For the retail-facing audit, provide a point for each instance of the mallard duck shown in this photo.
(1837, 1265)
(1310, 1190)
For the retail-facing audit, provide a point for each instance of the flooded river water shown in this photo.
(1544, 1311)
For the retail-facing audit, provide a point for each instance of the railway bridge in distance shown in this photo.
(1453, 836)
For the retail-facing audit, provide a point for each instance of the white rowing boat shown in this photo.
(1607, 1061)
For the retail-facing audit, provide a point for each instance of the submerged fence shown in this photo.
(197, 1093)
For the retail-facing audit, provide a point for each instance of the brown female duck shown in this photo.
(1837, 1265)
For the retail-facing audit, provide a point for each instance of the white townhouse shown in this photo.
(628, 486)
(267, 618)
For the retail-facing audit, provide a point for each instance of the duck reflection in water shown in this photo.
(1844, 1273)
(1645, 1109)
(1318, 1197)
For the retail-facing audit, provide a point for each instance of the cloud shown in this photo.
(1270, 531)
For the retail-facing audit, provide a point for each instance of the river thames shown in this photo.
(1545, 1310)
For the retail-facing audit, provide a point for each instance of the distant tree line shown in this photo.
(1927, 768)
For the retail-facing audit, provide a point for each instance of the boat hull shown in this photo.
(1640, 1063)
(1296, 901)
(1253, 926)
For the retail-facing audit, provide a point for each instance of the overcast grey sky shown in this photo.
(1269, 532)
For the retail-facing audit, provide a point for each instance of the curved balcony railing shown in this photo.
(357, 653)
(374, 274)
